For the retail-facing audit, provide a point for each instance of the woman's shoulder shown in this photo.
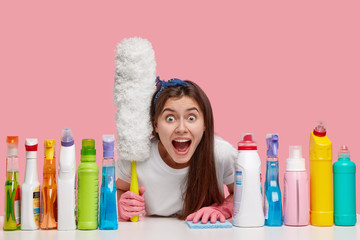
(223, 149)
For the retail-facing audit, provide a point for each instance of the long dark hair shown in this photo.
(201, 185)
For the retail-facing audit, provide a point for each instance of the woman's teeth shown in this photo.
(181, 145)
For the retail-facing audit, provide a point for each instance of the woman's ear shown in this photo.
(155, 127)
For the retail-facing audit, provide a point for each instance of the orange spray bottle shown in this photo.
(48, 210)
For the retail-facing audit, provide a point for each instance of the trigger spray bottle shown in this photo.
(321, 181)
(12, 188)
(48, 201)
(108, 211)
(272, 199)
(88, 187)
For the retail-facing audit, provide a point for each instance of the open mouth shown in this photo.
(181, 145)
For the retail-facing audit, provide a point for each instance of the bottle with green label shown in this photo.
(88, 187)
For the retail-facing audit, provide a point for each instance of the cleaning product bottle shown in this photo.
(321, 182)
(12, 189)
(296, 190)
(30, 190)
(88, 187)
(48, 201)
(344, 189)
(67, 182)
(108, 211)
(248, 207)
(273, 210)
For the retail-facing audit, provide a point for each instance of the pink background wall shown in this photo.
(266, 67)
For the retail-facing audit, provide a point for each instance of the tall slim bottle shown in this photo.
(48, 210)
(88, 187)
(12, 188)
(248, 206)
(296, 190)
(67, 182)
(344, 189)
(30, 190)
(272, 206)
(108, 210)
(321, 182)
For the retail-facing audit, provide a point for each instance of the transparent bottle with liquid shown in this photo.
(48, 201)
(12, 218)
(272, 198)
(108, 209)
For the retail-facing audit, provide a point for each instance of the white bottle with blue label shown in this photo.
(248, 206)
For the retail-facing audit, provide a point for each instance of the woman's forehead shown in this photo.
(181, 103)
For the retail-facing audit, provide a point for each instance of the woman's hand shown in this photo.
(213, 213)
(131, 204)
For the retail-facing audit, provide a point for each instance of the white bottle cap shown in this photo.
(295, 162)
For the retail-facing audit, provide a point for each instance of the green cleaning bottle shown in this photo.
(12, 189)
(344, 189)
(88, 187)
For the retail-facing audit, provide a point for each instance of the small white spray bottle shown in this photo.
(66, 183)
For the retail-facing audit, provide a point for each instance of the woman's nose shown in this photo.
(181, 127)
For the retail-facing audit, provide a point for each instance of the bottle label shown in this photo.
(17, 205)
(237, 191)
(36, 205)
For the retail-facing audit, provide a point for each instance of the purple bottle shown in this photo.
(296, 190)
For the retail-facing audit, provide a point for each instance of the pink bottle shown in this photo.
(296, 190)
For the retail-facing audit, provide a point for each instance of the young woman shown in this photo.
(188, 165)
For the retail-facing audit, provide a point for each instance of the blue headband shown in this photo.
(174, 82)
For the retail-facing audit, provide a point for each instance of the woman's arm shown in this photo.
(130, 204)
(122, 187)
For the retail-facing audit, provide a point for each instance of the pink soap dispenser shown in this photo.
(296, 190)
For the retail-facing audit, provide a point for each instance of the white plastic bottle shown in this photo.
(66, 183)
(30, 190)
(248, 207)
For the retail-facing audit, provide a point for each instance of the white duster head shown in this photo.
(133, 89)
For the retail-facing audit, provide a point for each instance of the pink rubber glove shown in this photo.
(214, 212)
(131, 204)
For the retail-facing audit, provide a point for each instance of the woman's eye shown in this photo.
(170, 118)
(192, 118)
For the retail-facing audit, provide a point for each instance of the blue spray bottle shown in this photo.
(272, 205)
(108, 211)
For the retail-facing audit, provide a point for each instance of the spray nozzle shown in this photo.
(49, 146)
(247, 142)
(67, 138)
(108, 146)
(272, 141)
(344, 152)
(320, 129)
(12, 145)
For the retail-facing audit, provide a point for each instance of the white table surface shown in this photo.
(170, 228)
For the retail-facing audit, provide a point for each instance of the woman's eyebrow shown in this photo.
(187, 110)
(193, 108)
(168, 109)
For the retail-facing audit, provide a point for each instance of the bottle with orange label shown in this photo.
(48, 209)
(321, 181)
(12, 187)
(30, 190)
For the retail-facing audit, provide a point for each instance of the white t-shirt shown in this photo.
(164, 186)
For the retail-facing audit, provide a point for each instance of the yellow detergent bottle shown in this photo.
(321, 182)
